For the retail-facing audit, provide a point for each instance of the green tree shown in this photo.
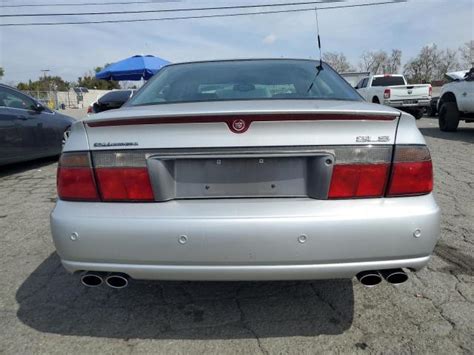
(2, 72)
(89, 81)
(46, 83)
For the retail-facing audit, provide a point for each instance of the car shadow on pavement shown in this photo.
(463, 134)
(53, 301)
(458, 262)
(15, 168)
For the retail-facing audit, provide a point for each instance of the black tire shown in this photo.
(375, 100)
(448, 117)
(418, 114)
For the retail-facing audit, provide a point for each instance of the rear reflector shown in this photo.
(412, 172)
(124, 184)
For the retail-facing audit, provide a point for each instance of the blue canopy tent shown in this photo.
(137, 67)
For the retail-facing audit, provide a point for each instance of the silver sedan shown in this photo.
(245, 170)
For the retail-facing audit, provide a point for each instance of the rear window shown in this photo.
(116, 96)
(244, 80)
(388, 81)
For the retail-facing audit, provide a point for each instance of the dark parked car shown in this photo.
(29, 130)
(112, 100)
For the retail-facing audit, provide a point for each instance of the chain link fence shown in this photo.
(56, 100)
(47, 98)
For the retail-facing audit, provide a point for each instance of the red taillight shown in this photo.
(364, 172)
(412, 172)
(358, 180)
(89, 109)
(75, 179)
(360, 172)
(116, 176)
(386, 94)
(124, 184)
(430, 91)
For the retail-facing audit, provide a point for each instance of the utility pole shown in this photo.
(44, 72)
(46, 89)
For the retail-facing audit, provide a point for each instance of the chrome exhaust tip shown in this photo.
(92, 279)
(117, 281)
(369, 278)
(394, 276)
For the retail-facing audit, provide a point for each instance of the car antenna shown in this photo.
(319, 68)
(319, 39)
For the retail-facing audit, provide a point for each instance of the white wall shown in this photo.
(69, 98)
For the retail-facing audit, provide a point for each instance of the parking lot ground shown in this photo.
(43, 309)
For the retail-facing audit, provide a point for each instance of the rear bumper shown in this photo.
(402, 103)
(246, 239)
(246, 272)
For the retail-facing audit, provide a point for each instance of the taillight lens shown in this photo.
(115, 177)
(75, 179)
(412, 172)
(367, 172)
(122, 176)
(386, 94)
(360, 172)
(124, 184)
(430, 91)
(352, 181)
(90, 110)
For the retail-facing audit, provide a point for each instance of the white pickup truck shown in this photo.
(456, 100)
(393, 90)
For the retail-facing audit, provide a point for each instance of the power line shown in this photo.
(89, 4)
(214, 8)
(198, 16)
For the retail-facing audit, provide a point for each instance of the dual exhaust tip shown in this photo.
(373, 278)
(366, 278)
(113, 280)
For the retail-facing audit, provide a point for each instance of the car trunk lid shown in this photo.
(240, 149)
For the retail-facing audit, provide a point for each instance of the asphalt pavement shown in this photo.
(43, 309)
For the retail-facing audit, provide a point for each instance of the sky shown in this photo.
(71, 51)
